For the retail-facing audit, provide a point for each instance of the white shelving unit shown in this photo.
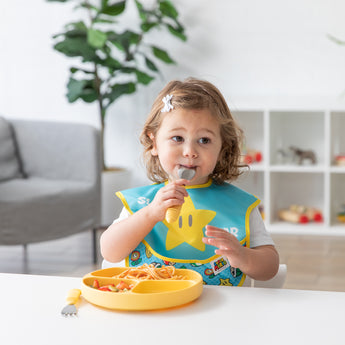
(280, 183)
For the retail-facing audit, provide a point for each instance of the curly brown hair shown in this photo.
(195, 94)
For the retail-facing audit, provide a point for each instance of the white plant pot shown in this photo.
(113, 181)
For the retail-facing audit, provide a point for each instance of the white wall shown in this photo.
(254, 51)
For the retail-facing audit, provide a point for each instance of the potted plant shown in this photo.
(112, 60)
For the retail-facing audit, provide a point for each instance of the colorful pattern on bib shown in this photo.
(212, 274)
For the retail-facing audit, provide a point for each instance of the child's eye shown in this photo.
(177, 138)
(204, 140)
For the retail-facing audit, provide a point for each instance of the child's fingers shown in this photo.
(223, 252)
(182, 182)
(170, 195)
(213, 231)
(174, 189)
(220, 234)
(221, 243)
(175, 194)
(220, 238)
(227, 245)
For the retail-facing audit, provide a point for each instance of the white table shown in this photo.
(30, 314)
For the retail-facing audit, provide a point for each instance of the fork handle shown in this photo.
(73, 296)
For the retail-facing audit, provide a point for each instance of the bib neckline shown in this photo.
(204, 185)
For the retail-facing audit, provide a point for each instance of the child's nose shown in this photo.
(189, 150)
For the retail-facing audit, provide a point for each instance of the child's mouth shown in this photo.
(188, 166)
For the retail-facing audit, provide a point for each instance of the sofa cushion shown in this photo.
(37, 209)
(9, 162)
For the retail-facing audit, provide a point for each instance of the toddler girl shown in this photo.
(219, 231)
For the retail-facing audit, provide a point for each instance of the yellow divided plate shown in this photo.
(145, 294)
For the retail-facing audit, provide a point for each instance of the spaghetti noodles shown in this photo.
(149, 272)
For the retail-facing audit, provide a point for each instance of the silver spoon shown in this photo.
(174, 211)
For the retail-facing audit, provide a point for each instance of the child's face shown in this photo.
(188, 138)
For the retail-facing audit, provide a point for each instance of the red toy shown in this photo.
(301, 214)
(251, 156)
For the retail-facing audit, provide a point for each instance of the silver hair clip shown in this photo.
(167, 104)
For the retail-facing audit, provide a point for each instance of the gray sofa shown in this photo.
(49, 180)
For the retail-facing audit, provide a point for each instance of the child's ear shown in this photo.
(154, 147)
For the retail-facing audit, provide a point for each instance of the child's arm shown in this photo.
(121, 238)
(260, 263)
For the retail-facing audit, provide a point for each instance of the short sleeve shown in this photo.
(259, 236)
(123, 215)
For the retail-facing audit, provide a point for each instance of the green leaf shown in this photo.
(128, 70)
(89, 94)
(111, 63)
(74, 47)
(74, 89)
(139, 5)
(83, 89)
(74, 30)
(168, 9)
(96, 38)
(134, 38)
(129, 37)
(115, 9)
(124, 40)
(148, 26)
(118, 90)
(77, 69)
(151, 65)
(77, 28)
(142, 13)
(143, 78)
(162, 55)
(87, 6)
(113, 37)
(336, 40)
(103, 21)
(118, 45)
(177, 32)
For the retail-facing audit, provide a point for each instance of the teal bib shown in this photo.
(180, 243)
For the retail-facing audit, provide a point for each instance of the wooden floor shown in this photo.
(313, 262)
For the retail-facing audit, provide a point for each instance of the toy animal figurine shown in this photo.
(302, 155)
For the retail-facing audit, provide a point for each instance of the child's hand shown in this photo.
(170, 195)
(228, 245)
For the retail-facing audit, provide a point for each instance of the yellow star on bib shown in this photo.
(188, 227)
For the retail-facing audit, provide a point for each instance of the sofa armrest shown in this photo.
(59, 150)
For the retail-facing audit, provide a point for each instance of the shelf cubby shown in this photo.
(280, 181)
(289, 188)
(337, 199)
(337, 136)
(289, 129)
